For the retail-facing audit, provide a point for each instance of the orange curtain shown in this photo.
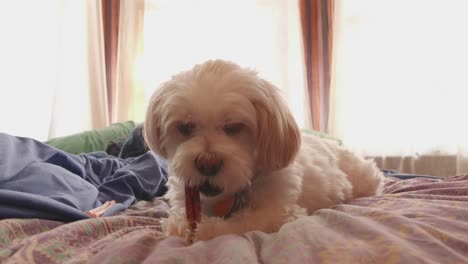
(110, 13)
(316, 22)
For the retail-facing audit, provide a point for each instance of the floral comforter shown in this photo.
(416, 221)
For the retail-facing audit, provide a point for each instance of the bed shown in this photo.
(416, 220)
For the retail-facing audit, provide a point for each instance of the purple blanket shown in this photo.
(39, 181)
(416, 221)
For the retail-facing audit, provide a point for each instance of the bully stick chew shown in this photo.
(192, 207)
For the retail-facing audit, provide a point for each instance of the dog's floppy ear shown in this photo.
(152, 126)
(279, 137)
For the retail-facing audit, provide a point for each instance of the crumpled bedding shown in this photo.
(40, 181)
(419, 220)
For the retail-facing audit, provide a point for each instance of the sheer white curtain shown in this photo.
(51, 68)
(261, 34)
(129, 100)
(400, 81)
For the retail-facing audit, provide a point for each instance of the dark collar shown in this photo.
(240, 201)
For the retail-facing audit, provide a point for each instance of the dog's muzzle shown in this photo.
(210, 190)
(208, 164)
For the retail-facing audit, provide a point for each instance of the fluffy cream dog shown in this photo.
(226, 130)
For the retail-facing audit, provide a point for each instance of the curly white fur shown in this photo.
(285, 174)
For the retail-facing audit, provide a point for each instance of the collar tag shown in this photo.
(223, 207)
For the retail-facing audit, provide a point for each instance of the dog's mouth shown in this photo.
(210, 190)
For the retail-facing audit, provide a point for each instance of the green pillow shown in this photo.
(93, 140)
(322, 135)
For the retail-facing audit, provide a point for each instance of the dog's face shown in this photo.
(218, 125)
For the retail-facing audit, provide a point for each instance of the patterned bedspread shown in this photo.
(415, 221)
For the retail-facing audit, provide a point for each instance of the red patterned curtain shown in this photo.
(110, 14)
(316, 22)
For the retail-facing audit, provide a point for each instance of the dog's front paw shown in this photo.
(211, 227)
(176, 225)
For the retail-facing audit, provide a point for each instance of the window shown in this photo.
(400, 81)
(264, 35)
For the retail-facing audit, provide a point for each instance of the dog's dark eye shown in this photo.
(233, 129)
(186, 129)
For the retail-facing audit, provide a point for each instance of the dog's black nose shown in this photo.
(208, 164)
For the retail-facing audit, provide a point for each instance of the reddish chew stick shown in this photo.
(192, 207)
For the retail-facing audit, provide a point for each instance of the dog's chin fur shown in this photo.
(283, 173)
